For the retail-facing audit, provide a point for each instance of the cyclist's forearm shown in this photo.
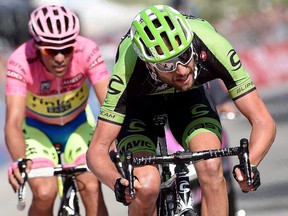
(101, 165)
(15, 142)
(263, 126)
(262, 137)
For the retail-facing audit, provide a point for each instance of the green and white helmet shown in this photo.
(158, 28)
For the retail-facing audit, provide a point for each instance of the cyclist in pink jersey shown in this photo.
(46, 101)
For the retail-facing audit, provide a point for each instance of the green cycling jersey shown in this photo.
(215, 56)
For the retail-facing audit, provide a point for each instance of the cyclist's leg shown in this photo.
(196, 125)
(88, 184)
(138, 135)
(44, 190)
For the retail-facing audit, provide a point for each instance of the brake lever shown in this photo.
(115, 157)
(21, 191)
(244, 160)
(130, 172)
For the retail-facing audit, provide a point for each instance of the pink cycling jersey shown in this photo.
(48, 98)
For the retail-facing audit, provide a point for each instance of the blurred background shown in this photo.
(257, 29)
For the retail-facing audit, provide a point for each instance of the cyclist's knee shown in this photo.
(210, 172)
(150, 182)
(44, 191)
(89, 183)
(145, 202)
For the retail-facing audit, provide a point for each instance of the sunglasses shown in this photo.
(54, 52)
(171, 64)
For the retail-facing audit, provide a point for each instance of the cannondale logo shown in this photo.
(184, 187)
(234, 60)
(115, 83)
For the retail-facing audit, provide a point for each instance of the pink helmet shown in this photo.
(54, 24)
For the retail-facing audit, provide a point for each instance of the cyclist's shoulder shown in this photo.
(82, 41)
(86, 51)
(24, 55)
(126, 55)
(198, 24)
(25, 51)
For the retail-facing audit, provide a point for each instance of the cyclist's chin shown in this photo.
(184, 86)
(59, 73)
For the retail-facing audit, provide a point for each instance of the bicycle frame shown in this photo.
(175, 197)
(69, 204)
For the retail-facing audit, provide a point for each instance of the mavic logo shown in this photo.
(115, 83)
(234, 59)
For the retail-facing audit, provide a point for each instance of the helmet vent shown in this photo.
(168, 20)
(58, 26)
(55, 12)
(156, 23)
(159, 50)
(66, 23)
(63, 9)
(39, 25)
(148, 32)
(177, 38)
(49, 24)
(166, 40)
(147, 51)
(74, 22)
(45, 11)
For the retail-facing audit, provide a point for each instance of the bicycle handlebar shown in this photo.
(186, 157)
(44, 172)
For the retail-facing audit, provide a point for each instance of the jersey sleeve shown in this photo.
(221, 61)
(114, 107)
(18, 73)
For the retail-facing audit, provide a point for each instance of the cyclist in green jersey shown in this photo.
(163, 65)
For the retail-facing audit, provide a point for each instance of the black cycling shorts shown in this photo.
(189, 113)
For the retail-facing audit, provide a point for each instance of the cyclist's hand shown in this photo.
(241, 179)
(121, 190)
(14, 174)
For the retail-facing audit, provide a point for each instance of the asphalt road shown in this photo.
(269, 200)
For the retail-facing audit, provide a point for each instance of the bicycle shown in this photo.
(175, 198)
(67, 189)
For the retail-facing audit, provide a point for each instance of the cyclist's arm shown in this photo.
(15, 111)
(100, 89)
(98, 158)
(263, 126)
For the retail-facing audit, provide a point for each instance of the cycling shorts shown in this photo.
(73, 137)
(189, 113)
